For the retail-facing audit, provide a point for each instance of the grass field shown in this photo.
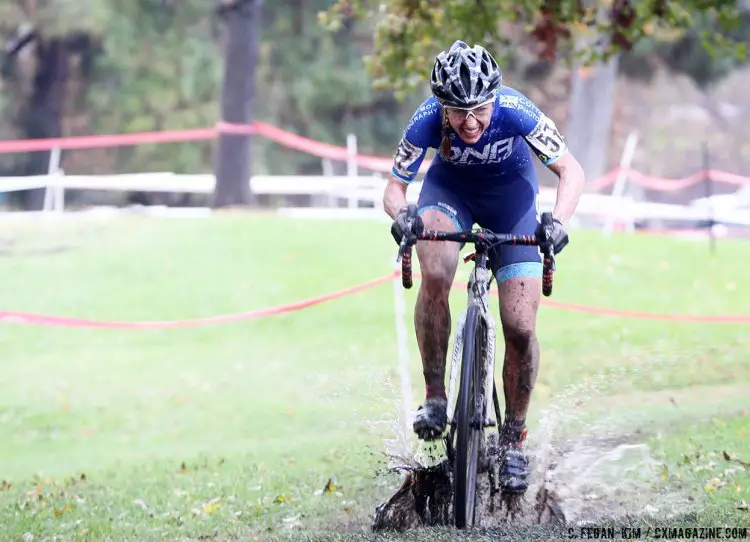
(232, 431)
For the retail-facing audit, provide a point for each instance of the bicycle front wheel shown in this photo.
(468, 419)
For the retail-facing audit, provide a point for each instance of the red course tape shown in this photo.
(24, 318)
(320, 149)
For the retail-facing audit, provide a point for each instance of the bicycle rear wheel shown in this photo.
(469, 421)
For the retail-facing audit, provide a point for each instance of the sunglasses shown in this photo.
(481, 111)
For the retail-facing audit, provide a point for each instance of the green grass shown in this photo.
(230, 430)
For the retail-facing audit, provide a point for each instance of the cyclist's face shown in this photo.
(470, 124)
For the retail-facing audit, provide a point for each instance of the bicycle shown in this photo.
(474, 344)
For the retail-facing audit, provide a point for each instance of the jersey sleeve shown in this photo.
(422, 132)
(535, 127)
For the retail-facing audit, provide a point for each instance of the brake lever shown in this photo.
(401, 250)
(550, 253)
(406, 242)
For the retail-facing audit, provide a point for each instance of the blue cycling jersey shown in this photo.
(502, 154)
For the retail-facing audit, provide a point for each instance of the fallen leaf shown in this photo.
(735, 459)
(713, 484)
(36, 492)
(212, 506)
(330, 486)
(60, 511)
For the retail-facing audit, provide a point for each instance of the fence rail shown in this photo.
(367, 192)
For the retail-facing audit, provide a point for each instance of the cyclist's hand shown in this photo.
(551, 230)
(407, 221)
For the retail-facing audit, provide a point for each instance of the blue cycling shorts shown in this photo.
(508, 208)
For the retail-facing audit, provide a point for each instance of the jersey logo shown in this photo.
(519, 103)
(423, 112)
(492, 153)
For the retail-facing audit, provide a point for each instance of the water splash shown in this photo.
(402, 451)
(592, 468)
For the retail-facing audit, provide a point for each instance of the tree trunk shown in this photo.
(233, 165)
(39, 115)
(589, 120)
(41, 71)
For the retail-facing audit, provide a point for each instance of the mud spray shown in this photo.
(583, 471)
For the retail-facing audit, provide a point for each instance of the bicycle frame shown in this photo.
(479, 296)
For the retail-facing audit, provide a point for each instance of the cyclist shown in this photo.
(483, 173)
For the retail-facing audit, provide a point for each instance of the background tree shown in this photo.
(584, 34)
(157, 65)
(233, 165)
(686, 53)
(313, 83)
(40, 74)
(108, 67)
(409, 32)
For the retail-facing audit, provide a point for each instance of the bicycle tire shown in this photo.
(468, 436)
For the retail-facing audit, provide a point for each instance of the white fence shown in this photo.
(367, 191)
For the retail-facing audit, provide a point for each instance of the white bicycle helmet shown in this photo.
(465, 76)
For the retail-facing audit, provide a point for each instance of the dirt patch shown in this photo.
(425, 499)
